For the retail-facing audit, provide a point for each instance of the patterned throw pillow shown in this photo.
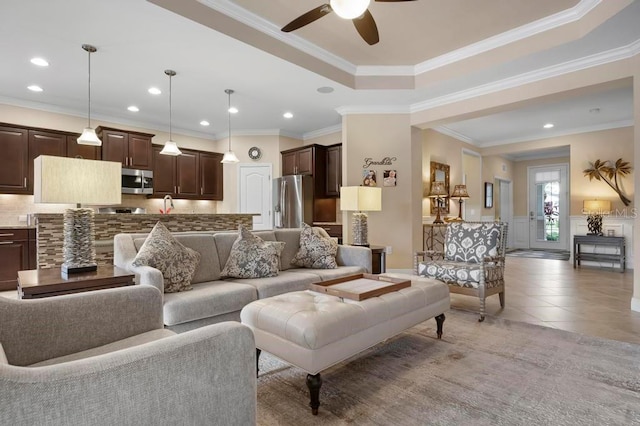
(252, 257)
(315, 250)
(471, 242)
(176, 262)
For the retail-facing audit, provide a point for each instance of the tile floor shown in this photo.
(551, 293)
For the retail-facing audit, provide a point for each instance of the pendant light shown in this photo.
(88, 136)
(229, 156)
(170, 147)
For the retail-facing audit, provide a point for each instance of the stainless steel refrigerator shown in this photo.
(292, 201)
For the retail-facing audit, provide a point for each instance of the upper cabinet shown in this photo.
(131, 149)
(324, 163)
(87, 152)
(44, 143)
(14, 164)
(298, 161)
(334, 170)
(192, 175)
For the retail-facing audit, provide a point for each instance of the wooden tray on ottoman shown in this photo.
(360, 286)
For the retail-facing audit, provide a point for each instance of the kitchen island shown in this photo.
(49, 230)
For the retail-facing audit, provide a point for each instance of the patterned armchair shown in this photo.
(472, 262)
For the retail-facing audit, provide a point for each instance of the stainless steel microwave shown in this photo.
(137, 181)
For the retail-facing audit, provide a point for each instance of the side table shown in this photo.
(378, 259)
(618, 243)
(37, 283)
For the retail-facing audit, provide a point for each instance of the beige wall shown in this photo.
(330, 139)
(495, 167)
(398, 225)
(472, 169)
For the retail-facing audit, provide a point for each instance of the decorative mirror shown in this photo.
(440, 173)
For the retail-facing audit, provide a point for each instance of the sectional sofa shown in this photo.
(215, 298)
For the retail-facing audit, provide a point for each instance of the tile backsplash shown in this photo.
(13, 206)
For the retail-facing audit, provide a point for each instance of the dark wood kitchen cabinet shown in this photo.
(44, 143)
(334, 170)
(132, 149)
(298, 161)
(87, 152)
(17, 253)
(193, 175)
(211, 187)
(14, 163)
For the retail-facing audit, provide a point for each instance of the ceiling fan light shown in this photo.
(349, 9)
(230, 157)
(170, 148)
(89, 137)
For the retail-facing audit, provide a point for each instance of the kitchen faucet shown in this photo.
(167, 197)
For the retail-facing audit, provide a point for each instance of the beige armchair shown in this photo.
(104, 358)
(472, 263)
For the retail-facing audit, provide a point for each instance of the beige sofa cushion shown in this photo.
(286, 281)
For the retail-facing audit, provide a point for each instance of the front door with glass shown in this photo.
(548, 207)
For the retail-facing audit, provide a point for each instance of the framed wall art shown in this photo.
(488, 195)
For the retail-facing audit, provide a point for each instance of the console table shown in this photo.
(598, 240)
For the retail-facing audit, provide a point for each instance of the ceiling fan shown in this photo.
(356, 10)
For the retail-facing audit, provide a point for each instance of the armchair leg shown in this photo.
(482, 309)
(501, 296)
(258, 352)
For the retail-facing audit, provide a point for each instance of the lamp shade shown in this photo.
(596, 206)
(65, 180)
(89, 137)
(170, 148)
(361, 198)
(229, 157)
(460, 191)
(438, 190)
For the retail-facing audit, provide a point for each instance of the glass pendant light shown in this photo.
(229, 156)
(170, 147)
(88, 136)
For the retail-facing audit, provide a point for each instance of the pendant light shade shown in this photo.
(229, 156)
(88, 136)
(170, 147)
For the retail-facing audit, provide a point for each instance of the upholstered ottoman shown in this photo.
(314, 331)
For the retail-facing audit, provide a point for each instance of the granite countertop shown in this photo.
(327, 223)
(17, 226)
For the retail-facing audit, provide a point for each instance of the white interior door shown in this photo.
(255, 193)
(548, 207)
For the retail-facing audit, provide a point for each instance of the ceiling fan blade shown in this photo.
(307, 18)
(367, 27)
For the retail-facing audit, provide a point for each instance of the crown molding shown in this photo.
(459, 136)
(528, 30)
(574, 131)
(322, 132)
(256, 22)
(258, 132)
(246, 17)
(613, 55)
(554, 153)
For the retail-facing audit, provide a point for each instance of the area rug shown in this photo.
(498, 372)
(540, 254)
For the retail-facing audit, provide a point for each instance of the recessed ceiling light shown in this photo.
(40, 62)
(133, 108)
(204, 123)
(233, 110)
(325, 89)
(548, 125)
(155, 91)
(287, 115)
(35, 88)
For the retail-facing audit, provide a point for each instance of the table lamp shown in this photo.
(63, 180)
(438, 189)
(595, 209)
(360, 199)
(460, 192)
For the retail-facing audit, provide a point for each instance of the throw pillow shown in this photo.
(315, 251)
(176, 262)
(252, 257)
